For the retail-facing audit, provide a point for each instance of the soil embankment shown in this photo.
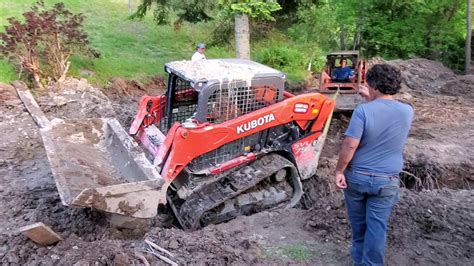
(432, 224)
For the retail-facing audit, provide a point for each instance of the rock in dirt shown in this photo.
(41, 234)
(86, 73)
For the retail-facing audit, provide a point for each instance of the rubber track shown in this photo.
(228, 187)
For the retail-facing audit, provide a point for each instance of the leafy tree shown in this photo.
(187, 10)
(330, 25)
(44, 42)
(242, 10)
(402, 28)
(195, 11)
(433, 29)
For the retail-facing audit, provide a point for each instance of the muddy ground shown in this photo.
(432, 225)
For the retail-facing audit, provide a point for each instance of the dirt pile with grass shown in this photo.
(427, 227)
(125, 96)
(439, 149)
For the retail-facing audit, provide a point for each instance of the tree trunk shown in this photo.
(64, 70)
(242, 36)
(342, 36)
(467, 67)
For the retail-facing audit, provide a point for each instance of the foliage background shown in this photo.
(303, 32)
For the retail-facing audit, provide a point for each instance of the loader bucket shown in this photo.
(96, 164)
(347, 102)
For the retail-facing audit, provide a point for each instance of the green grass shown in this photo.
(295, 252)
(129, 49)
(7, 72)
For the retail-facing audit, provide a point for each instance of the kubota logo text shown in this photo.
(255, 123)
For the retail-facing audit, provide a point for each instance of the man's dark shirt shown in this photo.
(342, 73)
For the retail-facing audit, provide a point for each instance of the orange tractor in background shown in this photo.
(348, 89)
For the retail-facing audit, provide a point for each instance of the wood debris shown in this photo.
(41, 234)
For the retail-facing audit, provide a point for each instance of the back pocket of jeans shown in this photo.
(390, 191)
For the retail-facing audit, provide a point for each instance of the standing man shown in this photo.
(199, 54)
(370, 161)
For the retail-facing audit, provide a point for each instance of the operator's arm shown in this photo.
(351, 73)
(349, 145)
(348, 148)
(335, 73)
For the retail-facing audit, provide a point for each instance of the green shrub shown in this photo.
(281, 57)
(293, 60)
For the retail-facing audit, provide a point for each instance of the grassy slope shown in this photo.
(130, 49)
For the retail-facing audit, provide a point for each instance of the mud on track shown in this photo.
(427, 227)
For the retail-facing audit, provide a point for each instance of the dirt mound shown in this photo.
(462, 86)
(125, 96)
(77, 99)
(433, 227)
(422, 75)
(123, 87)
(28, 194)
(375, 60)
(426, 228)
(120, 87)
(8, 96)
(74, 99)
(207, 246)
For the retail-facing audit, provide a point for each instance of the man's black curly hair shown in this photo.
(385, 78)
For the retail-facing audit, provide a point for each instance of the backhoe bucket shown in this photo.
(96, 164)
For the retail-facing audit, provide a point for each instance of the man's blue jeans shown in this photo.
(369, 201)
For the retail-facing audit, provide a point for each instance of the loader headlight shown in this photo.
(301, 108)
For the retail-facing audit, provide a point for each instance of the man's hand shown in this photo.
(348, 147)
(364, 92)
(341, 180)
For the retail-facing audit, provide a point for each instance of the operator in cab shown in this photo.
(343, 73)
(199, 54)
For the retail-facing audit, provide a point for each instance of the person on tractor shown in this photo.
(343, 73)
(199, 54)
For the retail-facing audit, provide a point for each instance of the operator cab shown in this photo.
(346, 85)
(333, 62)
(217, 90)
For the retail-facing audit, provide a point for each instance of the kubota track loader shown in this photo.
(224, 140)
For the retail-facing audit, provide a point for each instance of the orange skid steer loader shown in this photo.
(224, 140)
(347, 90)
